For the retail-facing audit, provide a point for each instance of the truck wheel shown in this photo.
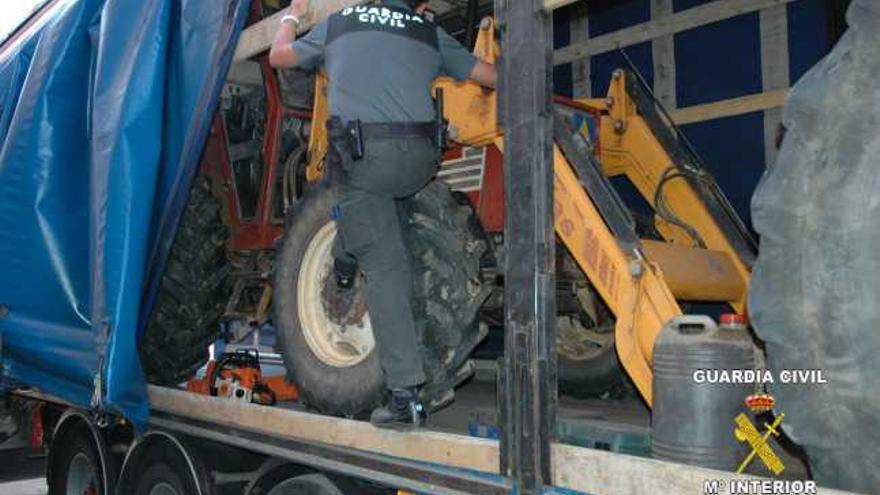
(307, 484)
(193, 291)
(163, 464)
(80, 472)
(587, 359)
(161, 479)
(279, 478)
(325, 334)
(75, 465)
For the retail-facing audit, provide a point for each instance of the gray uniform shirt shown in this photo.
(381, 61)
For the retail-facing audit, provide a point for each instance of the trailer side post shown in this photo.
(528, 384)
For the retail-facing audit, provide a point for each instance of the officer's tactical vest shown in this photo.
(384, 19)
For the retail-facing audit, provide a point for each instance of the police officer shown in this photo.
(380, 60)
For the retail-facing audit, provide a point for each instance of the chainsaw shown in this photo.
(238, 376)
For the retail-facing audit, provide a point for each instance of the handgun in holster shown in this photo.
(346, 144)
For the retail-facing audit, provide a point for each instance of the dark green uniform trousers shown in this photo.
(370, 230)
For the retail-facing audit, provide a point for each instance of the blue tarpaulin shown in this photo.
(104, 110)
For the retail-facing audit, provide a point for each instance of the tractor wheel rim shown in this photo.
(335, 344)
(580, 343)
(82, 478)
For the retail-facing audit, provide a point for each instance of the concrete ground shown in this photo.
(22, 473)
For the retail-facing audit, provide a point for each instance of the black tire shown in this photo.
(290, 479)
(307, 484)
(447, 293)
(587, 362)
(600, 376)
(447, 243)
(162, 459)
(162, 474)
(73, 451)
(194, 288)
(272, 472)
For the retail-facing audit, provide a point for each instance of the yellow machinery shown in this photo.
(705, 252)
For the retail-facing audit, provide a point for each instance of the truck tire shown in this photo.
(80, 468)
(307, 484)
(76, 463)
(161, 477)
(193, 291)
(161, 462)
(324, 333)
(290, 479)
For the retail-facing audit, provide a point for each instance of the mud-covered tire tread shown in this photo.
(192, 293)
(601, 377)
(447, 289)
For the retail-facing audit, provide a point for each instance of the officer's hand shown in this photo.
(299, 8)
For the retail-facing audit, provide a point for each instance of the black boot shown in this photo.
(345, 271)
(405, 410)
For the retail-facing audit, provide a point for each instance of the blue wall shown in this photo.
(713, 62)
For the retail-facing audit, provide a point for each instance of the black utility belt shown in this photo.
(385, 130)
(354, 133)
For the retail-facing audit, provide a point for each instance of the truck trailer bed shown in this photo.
(425, 461)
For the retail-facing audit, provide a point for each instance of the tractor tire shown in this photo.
(324, 333)
(193, 291)
(590, 368)
(587, 362)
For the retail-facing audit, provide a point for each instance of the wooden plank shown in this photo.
(663, 54)
(551, 5)
(579, 26)
(35, 394)
(682, 21)
(729, 108)
(608, 473)
(258, 37)
(774, 69)
(428, 446)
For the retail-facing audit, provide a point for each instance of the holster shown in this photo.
(345, 141)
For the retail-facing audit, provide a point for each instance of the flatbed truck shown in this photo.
(197, 444)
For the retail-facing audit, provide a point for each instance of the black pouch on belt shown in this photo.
(346, 142)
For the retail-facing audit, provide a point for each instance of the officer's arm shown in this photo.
(484, 74)
(308, 51)
(282, 54)
(461, 64)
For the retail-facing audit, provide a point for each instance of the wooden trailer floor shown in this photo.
(447, 440)
(586, 470)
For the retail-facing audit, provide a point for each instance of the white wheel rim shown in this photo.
(81, 476)
(335, 344)
(163, 488)
(579, 343)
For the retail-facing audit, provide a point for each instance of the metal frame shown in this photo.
(528, 377)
